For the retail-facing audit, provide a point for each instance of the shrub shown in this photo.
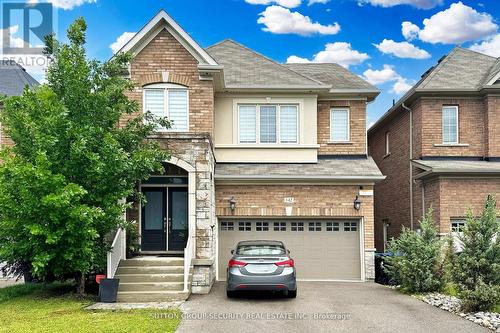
(477, 272)
(449, 260)
(415, 258)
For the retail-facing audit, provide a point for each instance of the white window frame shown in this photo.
(457, 124)
(387, 143)
(348, 125)
(166, 88)
(278, 123)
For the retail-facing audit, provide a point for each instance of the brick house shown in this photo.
(439, 146)
(260, 150)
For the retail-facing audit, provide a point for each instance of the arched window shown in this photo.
(168, 100)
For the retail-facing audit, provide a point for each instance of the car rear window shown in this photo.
(260, 250)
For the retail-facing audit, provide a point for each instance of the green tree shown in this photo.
(477, 272)
(415, 260)
(62, 181)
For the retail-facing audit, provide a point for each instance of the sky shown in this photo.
(390, 43)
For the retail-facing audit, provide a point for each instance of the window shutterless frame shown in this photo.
(277, 127)
(457, 134)
(166, 87)
(348, 125)
(387, 143)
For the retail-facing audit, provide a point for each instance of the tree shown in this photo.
(71, 164)
(415, 257)
(477, 272)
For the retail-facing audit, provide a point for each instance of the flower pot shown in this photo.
(108, 290)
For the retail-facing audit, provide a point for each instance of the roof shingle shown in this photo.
(14, 78)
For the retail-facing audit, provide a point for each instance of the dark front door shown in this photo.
(154, 220)
(177, 218)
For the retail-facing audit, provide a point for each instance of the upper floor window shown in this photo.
(387, 143)
(168, 100)
(339, 125)
(450, 124)
(268, 123)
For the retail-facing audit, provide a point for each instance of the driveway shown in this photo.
(319, 307)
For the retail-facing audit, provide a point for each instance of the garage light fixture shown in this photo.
(232, 204)
(357, 203)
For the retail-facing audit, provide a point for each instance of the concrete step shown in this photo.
(150, 270)
(128, 278)
(151, 296)
(152, 261)
(151, 286)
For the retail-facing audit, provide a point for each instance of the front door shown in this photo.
(177, 218)
(154, 219)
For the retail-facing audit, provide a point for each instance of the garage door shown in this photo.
(322, 249)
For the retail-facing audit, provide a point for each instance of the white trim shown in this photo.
(166, 87)
(457, 124)
(387, 143)
(163, 20)
(348, 125)
(267, 145)
(494, 79)
(362, 248)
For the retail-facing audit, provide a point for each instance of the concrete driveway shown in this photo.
(319, 307)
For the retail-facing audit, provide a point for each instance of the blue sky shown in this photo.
(351, 32)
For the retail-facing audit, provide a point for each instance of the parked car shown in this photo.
(261, 265)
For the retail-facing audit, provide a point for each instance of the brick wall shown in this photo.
(357, 114)
(492, 124)
(165, 54)
(310, 201)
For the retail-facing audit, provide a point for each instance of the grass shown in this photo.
(54, 308)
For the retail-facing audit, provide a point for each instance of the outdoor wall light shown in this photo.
(232, 204)
(357, 203)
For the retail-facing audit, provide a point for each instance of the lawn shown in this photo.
(54, 308)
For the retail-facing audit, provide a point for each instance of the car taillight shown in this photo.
(286, 263)
(236, 263)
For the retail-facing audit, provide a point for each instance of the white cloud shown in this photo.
(281, 20)
(65, 4)
(312, 2)
(402, 49)
(422, 4)
(121, 40)
(284, 3)
(296, 60)
(338, 52)
(457, 24)
(490, 46)
(14, 41)
(385, 75)
(409, 30)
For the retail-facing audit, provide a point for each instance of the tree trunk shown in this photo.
(80, 284)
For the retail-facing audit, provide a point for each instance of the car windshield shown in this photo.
(260, 250)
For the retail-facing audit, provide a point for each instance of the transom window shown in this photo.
(457, 225)
(262, 226)
(450, 124)
(350, 226)
(228, 226)
(339, 125)
(314, 226)
(279, 226)
(332, 226)
(168, 100)
(297, 226)
(244, 226)
(268, 123)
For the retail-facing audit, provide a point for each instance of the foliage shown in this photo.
(477, 272)
(449, 260)
(133, 243)
(415, 259)
(62, 181)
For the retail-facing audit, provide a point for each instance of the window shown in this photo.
(386, 225)
(262, 226)
(168, 100)
(244, 226)
(350, 226)
(387, 144)
(332, 226)
(268, 123)
(450, 124)
(314, 226)
(339, 125)
(228, 226)
(279, 226)
(457, 225)
(297, 226)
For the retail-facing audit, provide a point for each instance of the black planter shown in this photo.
(108, 290)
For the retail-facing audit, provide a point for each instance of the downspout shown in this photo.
(411, 158)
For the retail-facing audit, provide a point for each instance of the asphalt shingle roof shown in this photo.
(326, 168)
(458, 166)
(13, 78)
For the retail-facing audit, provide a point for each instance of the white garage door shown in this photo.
(322, 249)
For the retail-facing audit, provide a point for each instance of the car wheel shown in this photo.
(230, 294)
(292, 293)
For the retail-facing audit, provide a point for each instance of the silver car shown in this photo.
(261, 265)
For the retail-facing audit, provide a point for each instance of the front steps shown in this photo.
(151, 279)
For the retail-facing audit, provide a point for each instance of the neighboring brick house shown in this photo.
(259, 150)
(439, 146)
